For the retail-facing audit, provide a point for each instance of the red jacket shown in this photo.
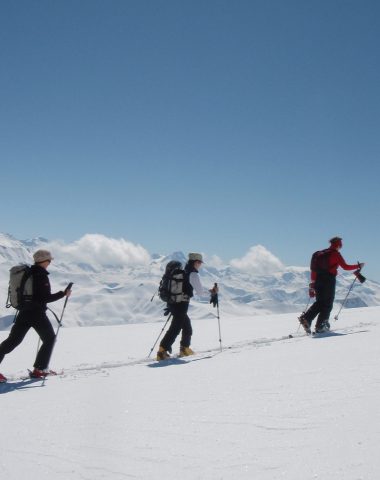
(335, 261)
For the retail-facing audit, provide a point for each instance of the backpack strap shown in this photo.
(8, 303)
(26, 276)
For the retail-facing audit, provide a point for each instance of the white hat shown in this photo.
(195, 257)
(42, 255)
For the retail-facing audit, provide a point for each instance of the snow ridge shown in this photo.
(115, 280)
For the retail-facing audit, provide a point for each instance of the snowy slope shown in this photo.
(267, 407)
(115, 281)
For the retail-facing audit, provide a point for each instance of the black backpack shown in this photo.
(320, 261)
(171, 289)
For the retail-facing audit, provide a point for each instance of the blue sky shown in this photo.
(193, 125)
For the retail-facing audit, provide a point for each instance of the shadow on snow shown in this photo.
(21, 385)
(176, 361)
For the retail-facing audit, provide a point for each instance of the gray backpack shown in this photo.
(20, 290)
(171, 289)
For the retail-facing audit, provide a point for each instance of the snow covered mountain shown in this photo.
(114, 281)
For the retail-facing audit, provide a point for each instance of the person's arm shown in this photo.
(197, 285)
(342, 263)
(42, 290)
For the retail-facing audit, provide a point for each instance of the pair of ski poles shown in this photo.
(215, 301)
(359, 277)
(59, 321)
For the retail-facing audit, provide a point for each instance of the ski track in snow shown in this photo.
(102, 368)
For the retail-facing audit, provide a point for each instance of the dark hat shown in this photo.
(336, 242)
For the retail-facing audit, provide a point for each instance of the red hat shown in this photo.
(336, 242)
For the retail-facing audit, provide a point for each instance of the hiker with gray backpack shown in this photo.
(29, 293)
(176, 288)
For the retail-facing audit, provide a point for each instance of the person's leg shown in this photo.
(46, 333)
(327, 302)
(16, 335)
(187, 330)
(313, 311)
(174, 329)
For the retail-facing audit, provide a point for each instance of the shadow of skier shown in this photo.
(20, 385)
(177, 361)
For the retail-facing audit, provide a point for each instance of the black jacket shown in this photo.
(41, 289)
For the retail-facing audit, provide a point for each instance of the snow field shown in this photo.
(267, 407)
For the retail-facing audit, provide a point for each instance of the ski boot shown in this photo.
(162, 354)
(185, 352)
(2, 378)
(323, 328)
(304, 323)
(36, 373)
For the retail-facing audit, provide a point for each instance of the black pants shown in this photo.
(41, 324)
(180, 321)
(325, 294)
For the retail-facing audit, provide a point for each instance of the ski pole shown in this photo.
(307, 306)
(345, 300)
(163, 328)
(59, 321)
(214, 299)
(220, 334)
(69, 286)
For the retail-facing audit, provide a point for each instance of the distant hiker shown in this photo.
(324, 269)
(179, 308)
(34, 315)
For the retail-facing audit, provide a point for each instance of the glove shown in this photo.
(214, 295)
(312, 290)
(67, 291)
(359, 276)
(214, 299)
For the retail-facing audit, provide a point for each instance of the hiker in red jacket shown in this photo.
(324, 269)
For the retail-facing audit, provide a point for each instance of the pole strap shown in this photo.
(55, 316)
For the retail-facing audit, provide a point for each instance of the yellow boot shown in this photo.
(185, 352)
(162, 354)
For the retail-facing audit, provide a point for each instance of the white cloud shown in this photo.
(99, 250)
(257, 260)
(214, 261)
